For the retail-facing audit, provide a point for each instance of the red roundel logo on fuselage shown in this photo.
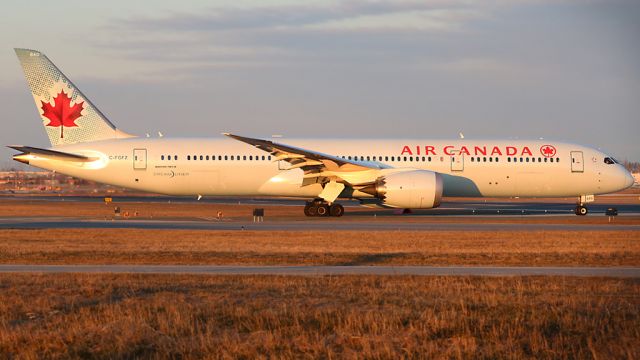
(548, 150)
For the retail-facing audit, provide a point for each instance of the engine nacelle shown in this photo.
(417, 189)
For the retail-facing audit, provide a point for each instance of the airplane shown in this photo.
(400, 173)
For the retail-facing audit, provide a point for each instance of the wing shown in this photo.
(317, 167)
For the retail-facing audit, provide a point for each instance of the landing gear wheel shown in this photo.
(336, 210)
(323, 210)
(581, 210)
(311, 210)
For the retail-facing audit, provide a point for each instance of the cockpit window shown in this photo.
(610, 161)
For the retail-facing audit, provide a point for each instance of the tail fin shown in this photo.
(68, 116)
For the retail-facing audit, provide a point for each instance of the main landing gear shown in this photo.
(322, 208)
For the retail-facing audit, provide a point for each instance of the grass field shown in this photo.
(385, 317)
(132, 246)
(129, 316)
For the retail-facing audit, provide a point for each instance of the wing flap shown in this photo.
(307, 160)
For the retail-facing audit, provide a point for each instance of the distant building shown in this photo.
(42, 182)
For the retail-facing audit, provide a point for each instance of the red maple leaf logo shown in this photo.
(548, 150)
(62, 113)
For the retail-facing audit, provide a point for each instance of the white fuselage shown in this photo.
(496, 168)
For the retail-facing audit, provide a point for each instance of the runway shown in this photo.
(449, 207)
(315, 224)
(627, 272)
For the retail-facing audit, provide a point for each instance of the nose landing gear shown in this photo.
(581, 210)
(322, 208)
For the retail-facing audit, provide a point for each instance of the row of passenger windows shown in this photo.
(363, 158)
(429, 159)
(219, 157)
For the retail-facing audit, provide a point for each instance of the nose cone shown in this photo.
(629, 180)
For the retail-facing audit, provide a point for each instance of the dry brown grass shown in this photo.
(532, 248)
(149, 316)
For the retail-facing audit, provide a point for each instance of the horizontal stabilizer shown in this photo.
(49, 154)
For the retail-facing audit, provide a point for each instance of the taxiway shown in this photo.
(320, 224)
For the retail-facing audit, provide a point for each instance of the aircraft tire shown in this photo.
(323, 210)
(581, 210)
(336, 210)
(311, 210)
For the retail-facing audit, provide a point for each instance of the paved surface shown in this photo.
(320, 224)
(632, 272)
(450, 206)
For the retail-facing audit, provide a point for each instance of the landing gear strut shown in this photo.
(320, 207)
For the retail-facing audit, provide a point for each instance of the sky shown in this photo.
(557, 69)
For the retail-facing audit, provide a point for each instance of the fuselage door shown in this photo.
(577, 161)
(457, 162)
(139, 159)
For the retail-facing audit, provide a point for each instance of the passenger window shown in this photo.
(429, 158)
(386, 158)
(161, 157)
(244, 157)
(546, 159)
(188, 157)
(484, 159)
(497, 159)
(405, 158)
(472, 159)
(207, 157)
(269, 157)
(410, 158)
(368, 158)
(527, 159)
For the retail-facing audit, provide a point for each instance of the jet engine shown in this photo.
(416, 189)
